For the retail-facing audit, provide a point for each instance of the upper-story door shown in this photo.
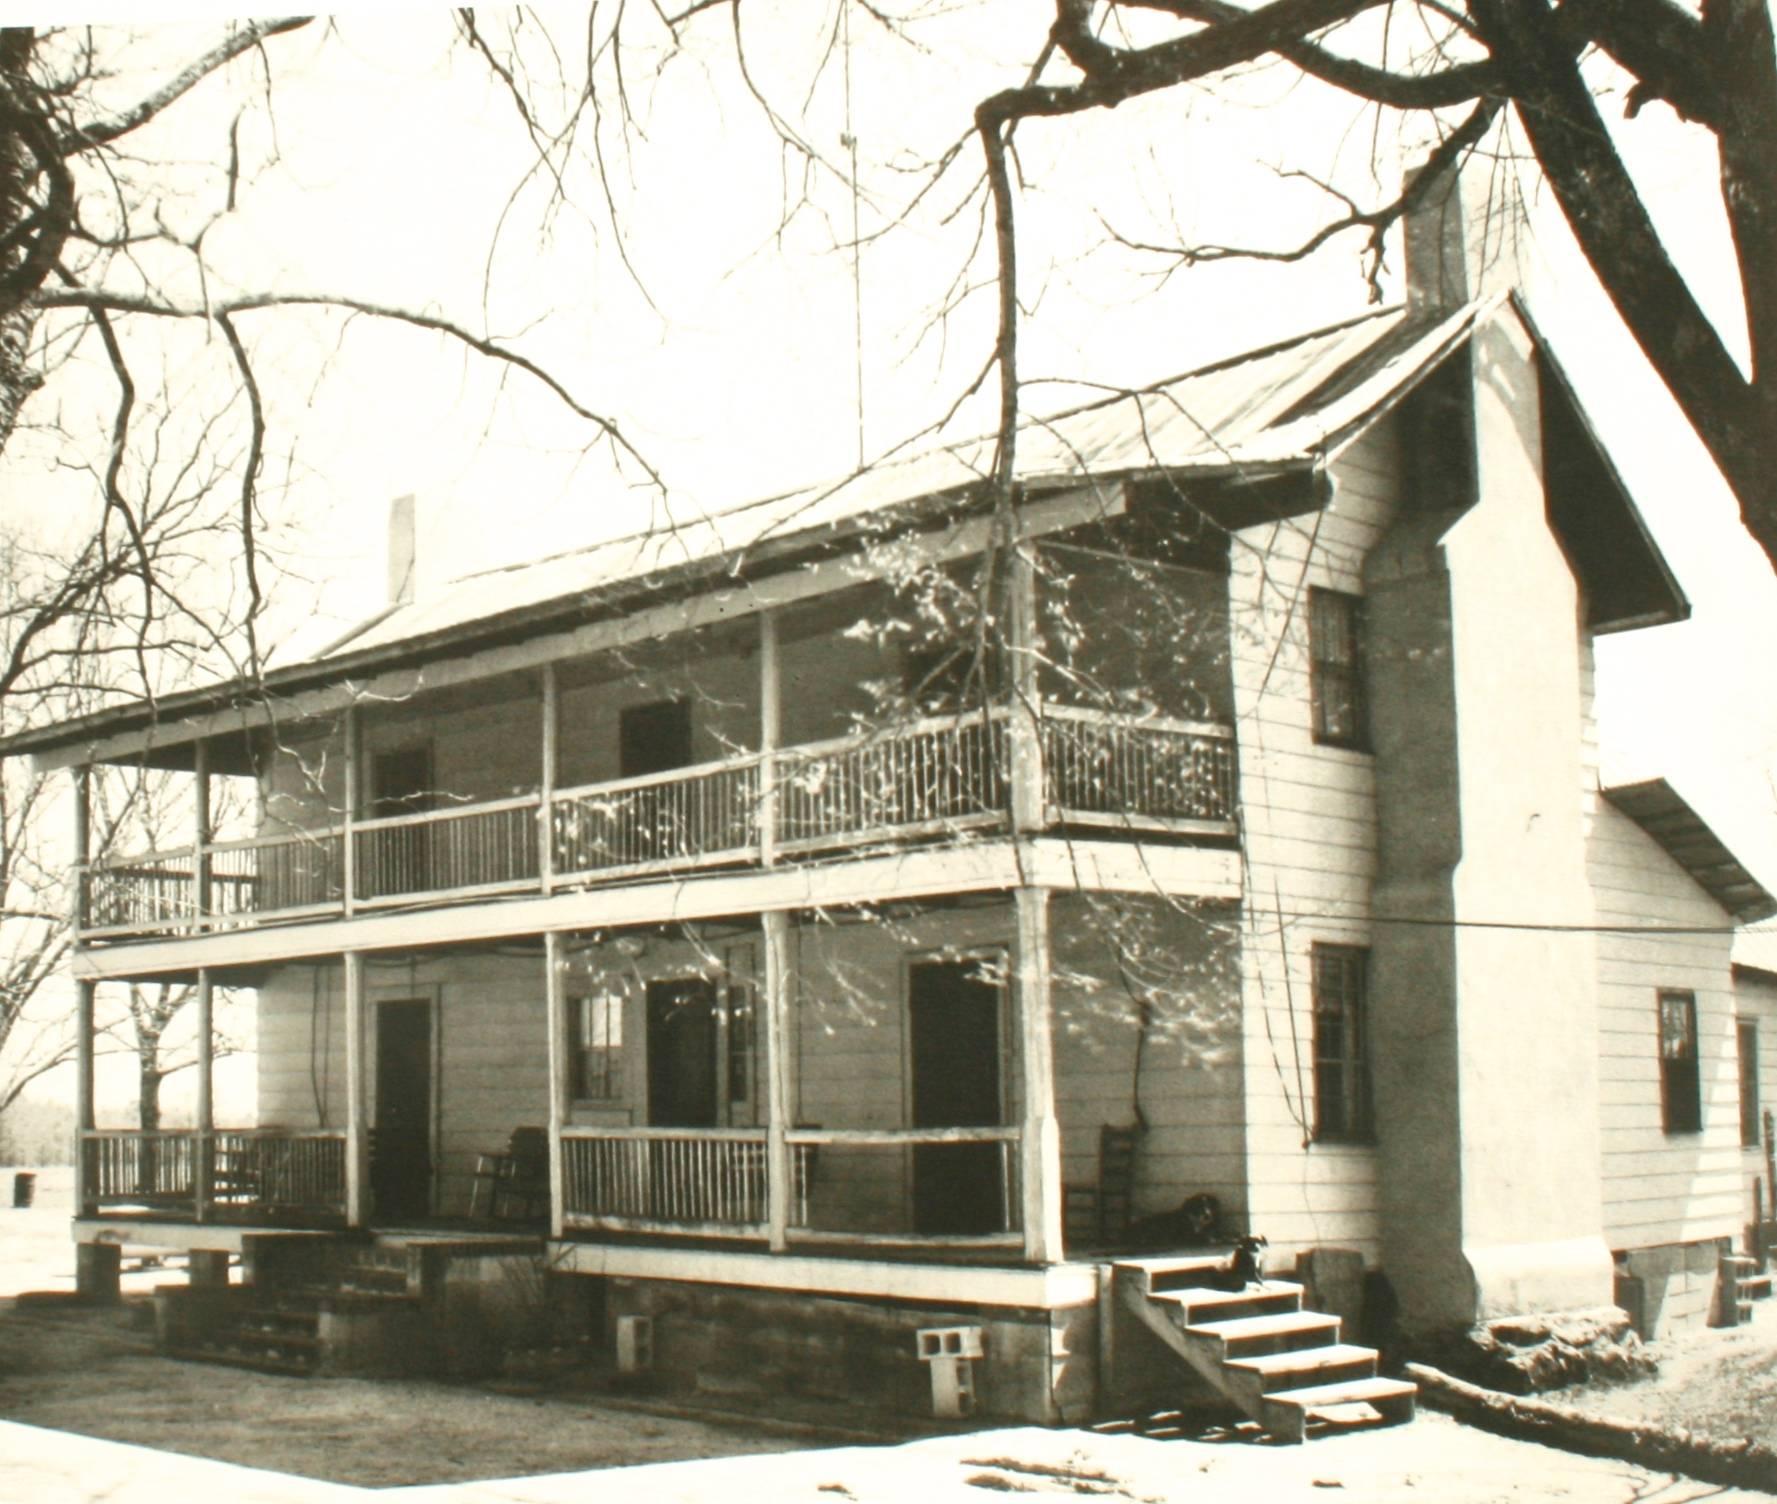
(399, 859)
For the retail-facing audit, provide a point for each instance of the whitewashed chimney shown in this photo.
(402, 550)
(1436, 249)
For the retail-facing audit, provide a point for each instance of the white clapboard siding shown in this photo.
(1309, 816)
(1661, 1188)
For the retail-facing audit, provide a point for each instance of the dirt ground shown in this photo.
(92, 1372)
(1721, 1384)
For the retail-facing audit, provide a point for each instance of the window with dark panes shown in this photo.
(1749, 1101)
(1342, 1111)
(1336, 672)
(1681, 1086)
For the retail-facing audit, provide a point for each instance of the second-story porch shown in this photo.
(843, 725)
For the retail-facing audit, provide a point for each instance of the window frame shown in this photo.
(1681, 1071)
(1336, 650)
(1342, 1008)
(612, 1077)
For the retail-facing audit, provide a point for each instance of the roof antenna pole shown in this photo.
(850, 141)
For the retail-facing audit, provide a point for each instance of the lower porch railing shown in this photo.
(666, 1179)
(236, 1173)
(902, 1187)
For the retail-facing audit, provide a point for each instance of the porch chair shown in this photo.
(515, 1182)
(1097, 1215)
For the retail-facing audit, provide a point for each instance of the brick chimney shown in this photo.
(1436, 243)
(401, 550)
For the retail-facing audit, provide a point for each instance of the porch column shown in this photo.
(556, 993)
(85, 1192)
(204, 1114)
(1040, 1135)
(770, 729)
(1025, 729)
(776, 1040)
(83, 841)
(357, 1097)
(348, 860)
(550, 729)
(200, 773)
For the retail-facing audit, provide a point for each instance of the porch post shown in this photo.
(776, 1040)
(200, 773)
(770, 716)
(83, 841)
(1040, 1136)
(1023, 656)
(546, 786)
(85, 1192)
(556, 993)
(357, 1097)
(204, 1124)
(348, 862)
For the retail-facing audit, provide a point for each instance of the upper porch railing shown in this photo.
(932, 779)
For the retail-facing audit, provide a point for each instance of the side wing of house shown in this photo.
(1674, 1167)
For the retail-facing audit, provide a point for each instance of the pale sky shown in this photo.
(397, 156)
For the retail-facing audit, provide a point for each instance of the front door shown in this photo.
(682, 1053)
(401, 1164)
(953, 1019)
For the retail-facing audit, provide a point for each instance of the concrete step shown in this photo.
(1279, 1332)
(1371, 1401)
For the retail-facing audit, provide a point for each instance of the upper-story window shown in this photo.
(1342, 1110)
(1336, 668)
(595, 1046)
(1681, 1086)
(1749, 1094)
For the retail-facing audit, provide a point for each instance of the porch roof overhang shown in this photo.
(1664, 814)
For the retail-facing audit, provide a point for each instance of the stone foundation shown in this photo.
(1037, 1366)
(1670, 1288)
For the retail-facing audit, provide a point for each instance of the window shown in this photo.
(1336, 671)
(1749, 1105)
(1341, 1045)
(1681, 1095)
(595, 1045)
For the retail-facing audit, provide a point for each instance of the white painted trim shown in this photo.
(987, 866)
(1056, 1287)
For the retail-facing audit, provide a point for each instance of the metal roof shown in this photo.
(1662, 812)
(1293, 404)
(1271, 406)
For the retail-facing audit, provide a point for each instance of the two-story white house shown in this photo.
(857, 914)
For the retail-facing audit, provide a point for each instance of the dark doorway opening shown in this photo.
(654, 738)
(399, 860)
(953, 1018)
(682, 1053)
(401, 1161)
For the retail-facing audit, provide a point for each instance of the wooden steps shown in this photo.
(281, 1337)
(1281, 1365)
